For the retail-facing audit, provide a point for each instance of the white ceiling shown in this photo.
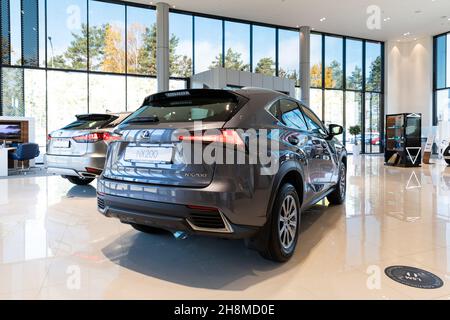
(348, 17)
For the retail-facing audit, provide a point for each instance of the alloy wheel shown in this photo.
(287, 222)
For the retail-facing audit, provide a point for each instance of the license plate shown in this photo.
(61, 143)
(149, 154)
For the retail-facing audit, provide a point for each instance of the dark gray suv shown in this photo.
(152, 182)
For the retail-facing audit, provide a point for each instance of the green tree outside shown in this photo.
(104, 46)
(233, 60)
(265, 66)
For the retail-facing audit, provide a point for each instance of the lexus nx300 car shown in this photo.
(77, 151)
(148, 183)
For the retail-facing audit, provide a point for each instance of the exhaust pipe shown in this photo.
(180, 235)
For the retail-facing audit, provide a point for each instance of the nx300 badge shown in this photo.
(195, 175)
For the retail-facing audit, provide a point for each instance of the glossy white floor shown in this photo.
(54, 245)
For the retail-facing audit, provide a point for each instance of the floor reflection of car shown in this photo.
(77, 151)
(147, 183)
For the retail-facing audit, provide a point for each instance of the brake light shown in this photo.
(89, 138)
(96, 136)
(109, 137)
(227, 136)
(49, 137)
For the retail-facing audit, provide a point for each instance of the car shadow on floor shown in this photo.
(206, 262)
(82, 192)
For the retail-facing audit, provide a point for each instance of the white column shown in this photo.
(305, 62)
(162, 46)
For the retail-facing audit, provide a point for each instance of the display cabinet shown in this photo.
(403, 140)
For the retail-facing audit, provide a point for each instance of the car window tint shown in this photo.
(275, 110)
(314, 124)
(87, 124)
(291, 115)
(119, 120)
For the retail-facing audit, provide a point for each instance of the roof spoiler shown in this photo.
(190, 93)
(95, 117)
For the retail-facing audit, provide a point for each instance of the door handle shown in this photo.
(293, 140)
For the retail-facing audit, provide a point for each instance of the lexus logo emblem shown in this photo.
(145, 134)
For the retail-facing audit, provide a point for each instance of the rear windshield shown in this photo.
(116, 122)
(193, 107)
(87, 124)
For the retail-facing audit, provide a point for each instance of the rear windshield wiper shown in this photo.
(143, 120)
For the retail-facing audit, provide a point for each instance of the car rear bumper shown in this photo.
(172, 217)
(241, 198)
(74, 165)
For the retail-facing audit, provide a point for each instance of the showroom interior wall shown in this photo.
(81, 51)
(409, 78)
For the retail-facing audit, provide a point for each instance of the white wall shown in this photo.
(409, 79)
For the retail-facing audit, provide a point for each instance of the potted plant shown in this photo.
(355, 131)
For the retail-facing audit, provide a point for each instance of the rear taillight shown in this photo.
(109, 137)
(227, 136)
(49, 137)
(89, 138)
(96, 136)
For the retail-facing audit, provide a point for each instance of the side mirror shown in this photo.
(335, 130)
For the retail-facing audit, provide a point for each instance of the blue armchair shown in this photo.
(24, 152)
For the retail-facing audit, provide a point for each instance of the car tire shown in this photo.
(80, 181)
(148, 229)
(283, 226)
(338, 195)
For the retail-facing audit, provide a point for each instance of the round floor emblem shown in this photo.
(414, 277)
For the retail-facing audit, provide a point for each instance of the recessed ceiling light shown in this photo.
(323, 19)
(407, 34)
(387, 19)
(297, 26)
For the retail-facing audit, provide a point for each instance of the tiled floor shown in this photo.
(54, 245)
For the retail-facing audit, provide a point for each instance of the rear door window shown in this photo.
(314, 124)
(291, 115)
(274, 110)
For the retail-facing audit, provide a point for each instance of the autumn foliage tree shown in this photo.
(333, 75)
(114, 53)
